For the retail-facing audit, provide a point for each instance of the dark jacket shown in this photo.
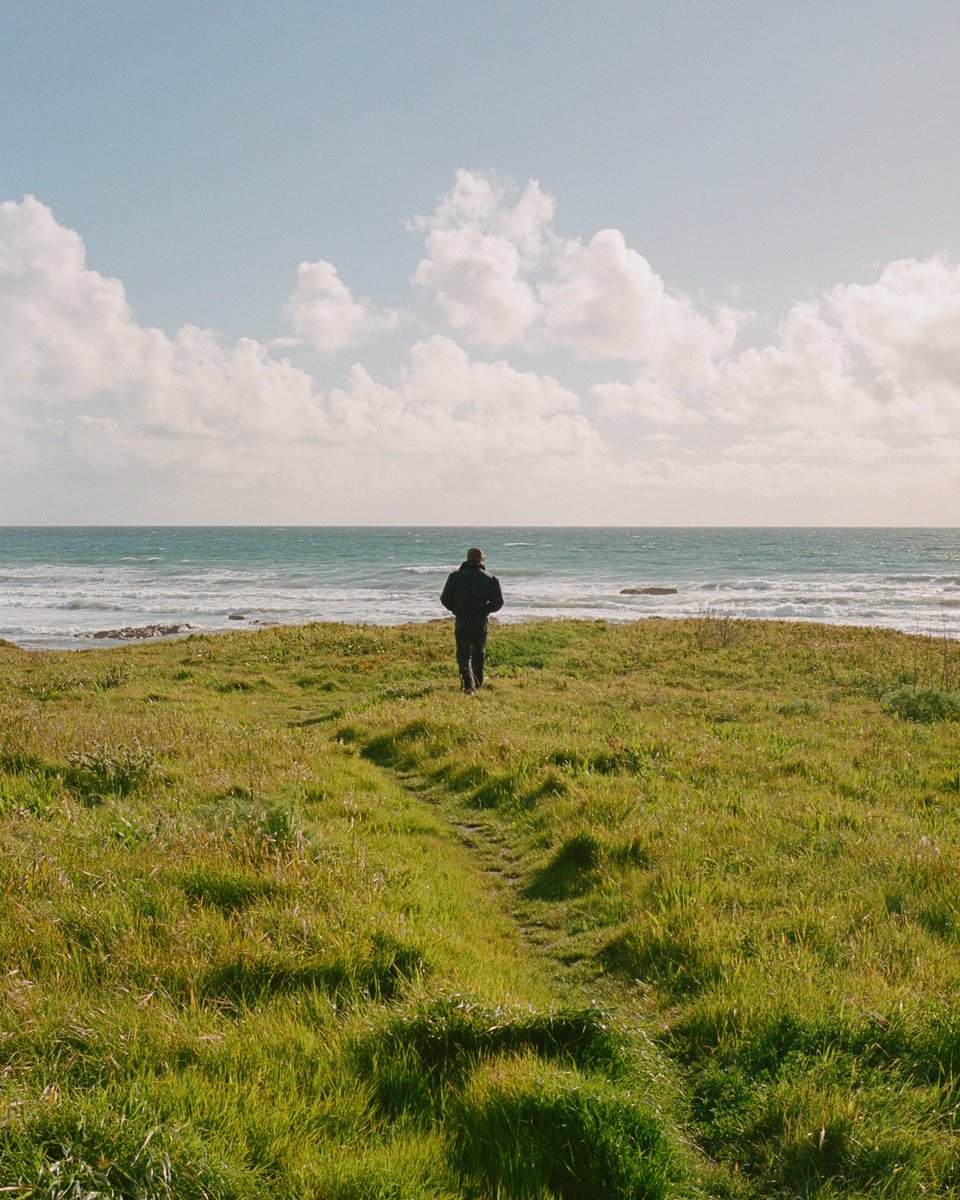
(472, 592)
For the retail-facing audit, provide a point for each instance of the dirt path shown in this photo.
(568, 957)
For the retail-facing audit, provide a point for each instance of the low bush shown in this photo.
(109, 770)
(923, 705)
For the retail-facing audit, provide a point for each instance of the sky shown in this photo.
(660, 262)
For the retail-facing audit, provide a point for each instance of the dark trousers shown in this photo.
(471, 635)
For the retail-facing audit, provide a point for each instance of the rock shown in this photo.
(130, 633)
(649, 591)
(237, 617)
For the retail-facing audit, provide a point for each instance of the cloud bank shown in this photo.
(533, 377)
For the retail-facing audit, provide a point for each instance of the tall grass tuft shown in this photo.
(527, 1130)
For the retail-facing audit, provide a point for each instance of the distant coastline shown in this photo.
(75, 587)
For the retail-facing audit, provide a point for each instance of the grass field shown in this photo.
(669, 909)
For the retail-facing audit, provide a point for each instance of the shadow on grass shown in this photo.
(534, 1104)
(228, 891)
(533, 1137)
(666, 952)
(437, 1044)
(381, 973)
(571, 872)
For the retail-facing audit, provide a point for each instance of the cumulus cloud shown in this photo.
(879, 358)
(73, 353)
(64, 330)
(851, 411)
(325, 312)
(503, 277)
(905, 327)
(804, 378)
(907, 323)
(604, 300)
(475, 425)
(481, 242)
(648, 400)
(93, 396)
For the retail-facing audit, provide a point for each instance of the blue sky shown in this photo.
(657, 262)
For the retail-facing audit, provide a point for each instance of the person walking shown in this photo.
(471, 594)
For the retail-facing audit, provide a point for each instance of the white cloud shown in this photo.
(93, 397)
(65, 331)
(906, 330)
(803, 379)
(325, 312)
(644, 400)
(850, 413)
(604, 301)
(503, 277)
(481, 241)
(879, 358)
(478, 425)
(73, 356)
(843, 450)
(493, 205)
(908, 322)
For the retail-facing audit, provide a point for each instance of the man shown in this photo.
(471, 594)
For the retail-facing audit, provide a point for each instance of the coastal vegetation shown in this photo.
(669, 909)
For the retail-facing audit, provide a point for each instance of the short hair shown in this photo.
(474, 554)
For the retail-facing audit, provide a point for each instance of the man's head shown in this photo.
(475, 554)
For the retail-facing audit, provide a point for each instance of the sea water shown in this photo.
(61, 586)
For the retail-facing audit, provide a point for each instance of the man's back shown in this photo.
(471, 591)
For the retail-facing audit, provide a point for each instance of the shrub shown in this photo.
(716, 627)
(51, 687)
(109, 770)
(923, 705)
(116, 674)
(272, 830)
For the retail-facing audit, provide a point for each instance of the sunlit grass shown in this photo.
(667, 909)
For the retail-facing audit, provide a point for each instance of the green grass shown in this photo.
(668, 909)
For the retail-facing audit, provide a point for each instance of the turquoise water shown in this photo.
(60, 586)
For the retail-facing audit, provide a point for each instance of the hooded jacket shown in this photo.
(472, 592)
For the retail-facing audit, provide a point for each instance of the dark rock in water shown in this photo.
(649, 591)
(237, 617)
(130, 633)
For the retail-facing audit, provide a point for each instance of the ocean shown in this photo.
(61, 587)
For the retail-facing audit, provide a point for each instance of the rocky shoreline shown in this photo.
(141, 633)
(130, 633)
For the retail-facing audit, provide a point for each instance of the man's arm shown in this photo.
(448, 597)
(495, 601)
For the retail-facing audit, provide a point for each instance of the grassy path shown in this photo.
(568, 958)
(751, 833)
(238, 958)
(282, 913)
